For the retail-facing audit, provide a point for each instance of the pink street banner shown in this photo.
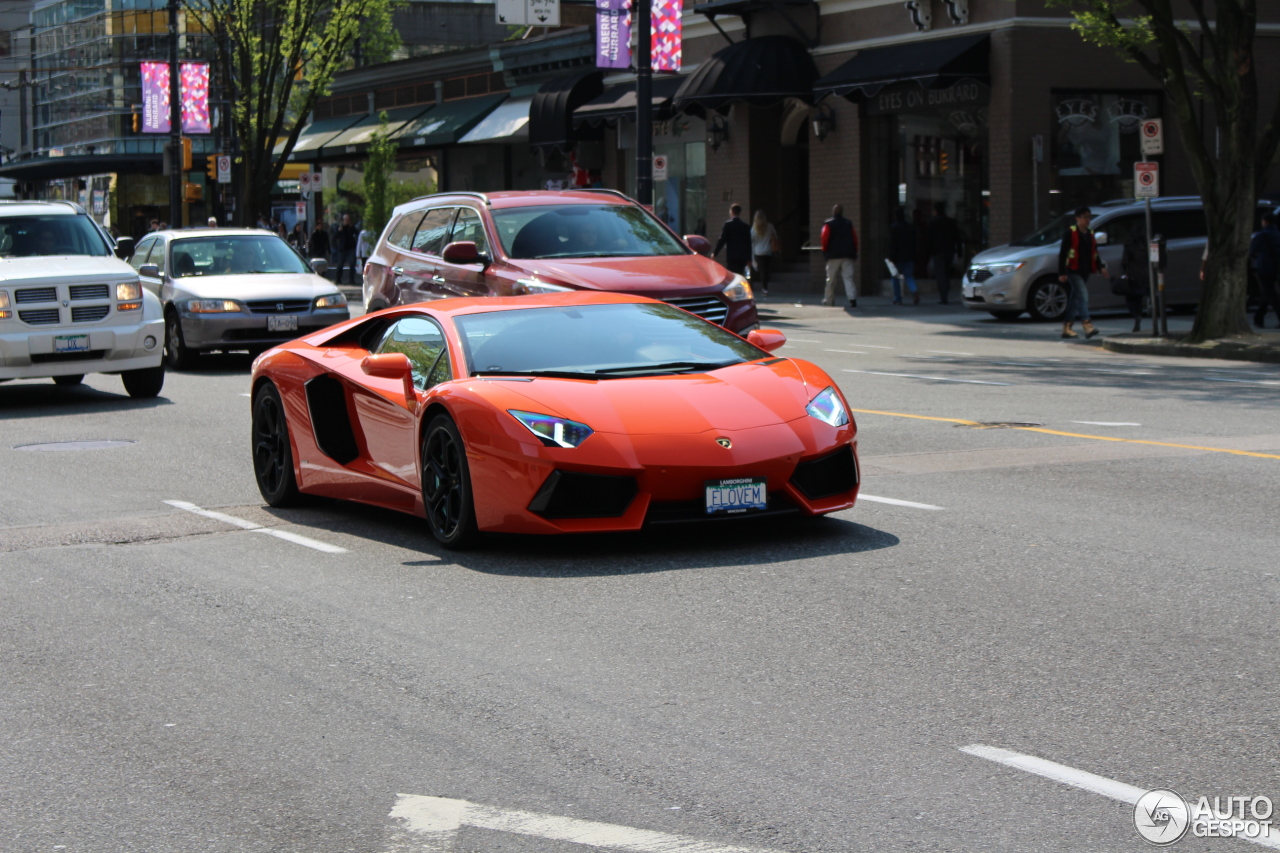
(667, 43)
(613, 33)
(155, 97)
(195, 97)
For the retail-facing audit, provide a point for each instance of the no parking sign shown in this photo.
(1146, 180)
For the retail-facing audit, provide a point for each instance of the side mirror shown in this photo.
(698, 243)
(768, 340)
(393, 365)
(124, 248)
(462, 252)
(149, 271)
(1100, 237)
(319, 265)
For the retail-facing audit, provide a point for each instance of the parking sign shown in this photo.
(224, 169)
(1146, 180)
(1152, 136)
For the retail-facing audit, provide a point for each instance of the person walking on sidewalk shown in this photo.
(364, 248)
(902, 252)
(1135, 267)
(345, 249)
(840, 248)
(944, 245)
(1077, 260)
(764, 245)
(319, 244)
(1264, 254)
(735, 239)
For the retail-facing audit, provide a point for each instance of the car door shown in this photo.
(428, 242)
(1184, 232)
(402, 267)
(468, 279)
(386, 418)
(1119, 230)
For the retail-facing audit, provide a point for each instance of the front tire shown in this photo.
(272, 454)
(73, 379)
(176, 352)
(1048, 299)
(143, 383)
(446, 485)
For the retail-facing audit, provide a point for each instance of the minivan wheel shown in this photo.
(1048, 299)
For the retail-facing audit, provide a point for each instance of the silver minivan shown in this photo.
(1023, 276)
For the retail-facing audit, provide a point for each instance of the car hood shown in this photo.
(62, 268)
(269, 286)
(1008, 254)
(743, 396)
(654, 276)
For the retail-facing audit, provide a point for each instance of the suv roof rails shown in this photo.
(618, 193)
(484, 198)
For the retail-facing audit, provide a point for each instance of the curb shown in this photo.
(1226, 350)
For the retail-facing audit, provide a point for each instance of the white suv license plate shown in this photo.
(282, 323)
(71, 343)
(740, 495)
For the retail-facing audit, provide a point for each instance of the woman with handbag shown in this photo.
(1135, 281)
(764, 245)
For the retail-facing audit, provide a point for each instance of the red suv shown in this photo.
(513, 243)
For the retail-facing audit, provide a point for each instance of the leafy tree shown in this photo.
(274, 58)
(1210, 60)
(377, 179)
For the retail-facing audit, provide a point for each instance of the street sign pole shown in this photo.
(176, 176)
(1151, 276)
(644, 105)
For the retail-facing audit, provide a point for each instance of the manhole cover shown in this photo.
(91, 444)
(999, 425)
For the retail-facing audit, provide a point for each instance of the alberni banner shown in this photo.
(195, 97)
(613, 33)
(155, 97)
(667, 43)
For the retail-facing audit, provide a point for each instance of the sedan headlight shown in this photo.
(213, 306)
(553, 431)
(827, 408)
(738, 289)
(333, 300)
(4, 304)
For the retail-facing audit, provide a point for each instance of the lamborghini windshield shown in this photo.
(598, 342)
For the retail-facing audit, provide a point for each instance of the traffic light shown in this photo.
(211, 168)
(192, 192)
(944, 160)
(186, 153)
(137, 120)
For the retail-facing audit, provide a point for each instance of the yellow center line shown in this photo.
(1077, 434)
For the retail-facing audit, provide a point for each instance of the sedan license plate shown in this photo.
(282, 323)
(741, 495)
(71, 343)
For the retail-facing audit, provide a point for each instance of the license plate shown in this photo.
(968, 290)
(282, 323)
(71, 343)
(741, 495)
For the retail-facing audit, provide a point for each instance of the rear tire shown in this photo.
(176, 352)
(73, 379)
(272, 454)
(446, 485)
(1048, 299)
(143, 383)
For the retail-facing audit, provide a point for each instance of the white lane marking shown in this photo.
(1083, 780)
(896, 502)
(934, 378)
(1243, 381)
(246, 395)
(948, 352)
(872, 346)
(1107, 423)
(432, 824)
(845, 351)
(1122, 372)
(258, 528)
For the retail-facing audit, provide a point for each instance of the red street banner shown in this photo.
(666, 44)
(194, 85)
(195, 98)
(155, 97)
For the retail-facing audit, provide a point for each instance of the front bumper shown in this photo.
(243, 330)
(998, 293)
(26, 354)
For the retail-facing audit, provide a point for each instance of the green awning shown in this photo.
(317, 134)
(356, 138)
(446, 123)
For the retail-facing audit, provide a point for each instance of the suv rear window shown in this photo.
(31, 236)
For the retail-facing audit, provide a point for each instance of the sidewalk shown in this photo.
(1263, 346)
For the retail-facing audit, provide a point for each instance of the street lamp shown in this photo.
(824, 121)
(717, 131)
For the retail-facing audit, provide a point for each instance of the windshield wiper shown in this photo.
(552, 374)
(672, 366)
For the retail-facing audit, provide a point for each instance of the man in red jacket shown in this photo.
(840, 248)
(1077, 260)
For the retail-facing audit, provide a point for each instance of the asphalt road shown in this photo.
(1098, 590)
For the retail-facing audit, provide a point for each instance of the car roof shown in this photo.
(218, 232)
(45, 208)
(523, 198)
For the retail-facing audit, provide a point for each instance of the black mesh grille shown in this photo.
(706, 307)
(680, 512)
(829, 475)
(567, 494)
(89, 313)
(40, 316)
(89, 291)
(35, 294)
(979, 275)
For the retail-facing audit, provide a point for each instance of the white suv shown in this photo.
(68, 306)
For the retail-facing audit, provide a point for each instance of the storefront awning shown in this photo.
(356, 138)
(508, 123)
(446, 123)
(316, 134)
(80, 166)
(619, 101)
(757, 71)
(935, 64)
(551, 115)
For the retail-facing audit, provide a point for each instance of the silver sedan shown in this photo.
(233, 289)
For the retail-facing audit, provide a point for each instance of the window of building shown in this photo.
(1095, 145)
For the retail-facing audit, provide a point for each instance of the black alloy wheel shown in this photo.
(1048, 299)
(176, 352)
(272, 457)
(446, 485)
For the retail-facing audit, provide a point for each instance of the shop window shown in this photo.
(1095, 145)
